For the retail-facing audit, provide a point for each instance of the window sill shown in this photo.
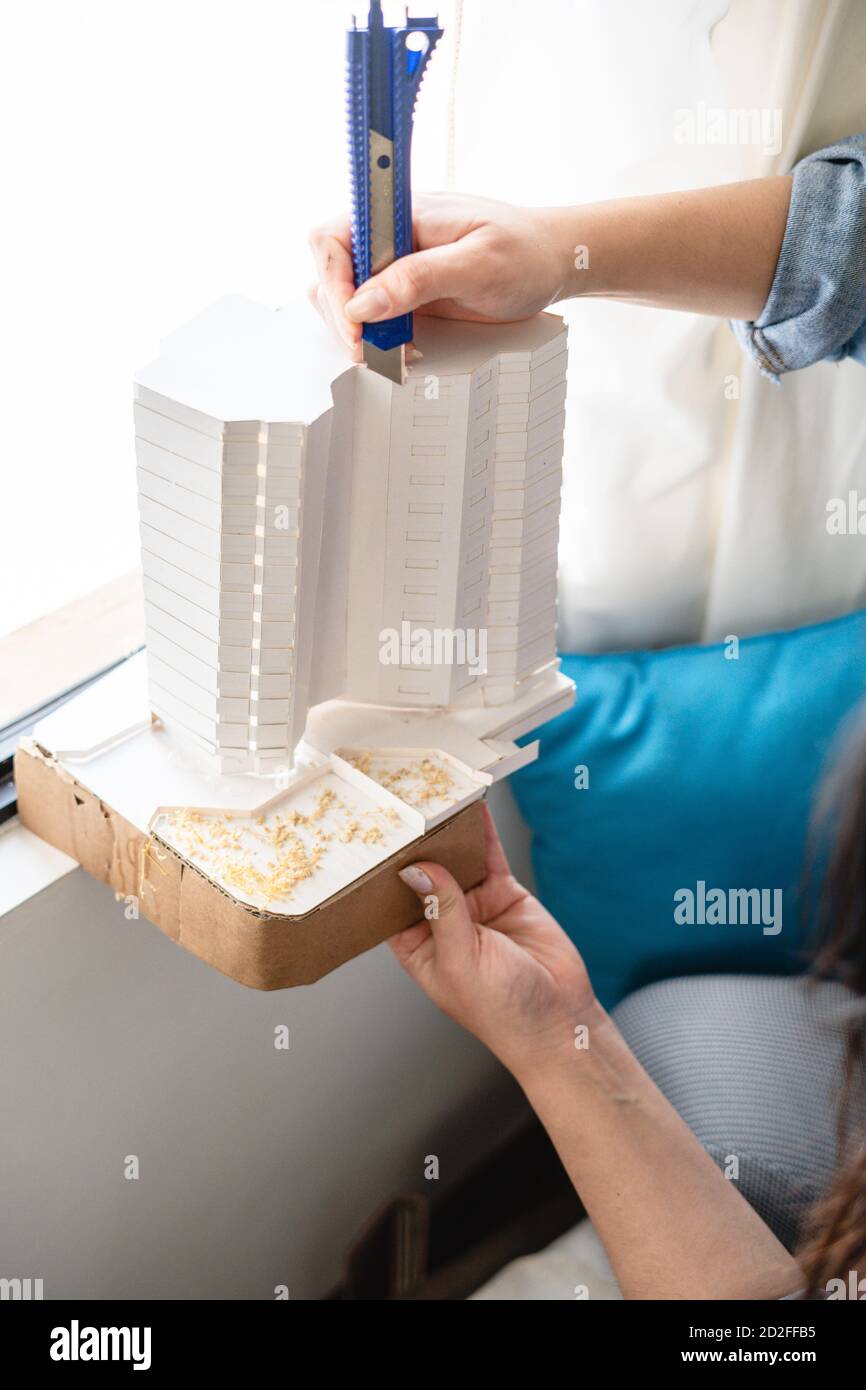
(67, 647)
(27, 865)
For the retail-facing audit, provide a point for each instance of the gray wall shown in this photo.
(257, 1166)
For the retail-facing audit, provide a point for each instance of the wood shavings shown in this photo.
(418, 783)
(232, 850)
(368, 835)
(281, 877)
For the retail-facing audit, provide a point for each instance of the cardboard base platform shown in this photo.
(258, 949)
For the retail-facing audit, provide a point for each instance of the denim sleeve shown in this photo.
(816, 310)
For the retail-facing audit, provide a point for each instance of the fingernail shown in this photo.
(367, 305)
(416, 879)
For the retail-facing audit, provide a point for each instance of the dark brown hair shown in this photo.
(835, 1241)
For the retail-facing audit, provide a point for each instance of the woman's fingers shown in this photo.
(496, 862)
(446, 914)
(443, 272)
(331, 245)
(348, 333)
(337, 322)
(412, 942)
(498, 891)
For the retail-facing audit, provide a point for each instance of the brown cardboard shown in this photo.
(257, 949)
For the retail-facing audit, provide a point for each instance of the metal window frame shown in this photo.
(12, 733)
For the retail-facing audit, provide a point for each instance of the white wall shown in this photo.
(257, 1167)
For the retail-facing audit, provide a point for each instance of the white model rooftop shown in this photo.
(312, 533)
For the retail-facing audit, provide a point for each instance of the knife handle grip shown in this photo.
(385, 67)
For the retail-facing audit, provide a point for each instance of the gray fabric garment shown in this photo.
(754, 1066)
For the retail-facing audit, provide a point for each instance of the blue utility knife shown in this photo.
(385, 68)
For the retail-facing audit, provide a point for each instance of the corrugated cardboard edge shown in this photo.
(254, 948)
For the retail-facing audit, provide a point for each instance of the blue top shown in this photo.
(816, 309)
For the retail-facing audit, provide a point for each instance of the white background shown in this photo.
(155, 157)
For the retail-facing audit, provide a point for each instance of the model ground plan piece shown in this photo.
(350, 591)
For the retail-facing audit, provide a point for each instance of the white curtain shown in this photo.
(694, 504)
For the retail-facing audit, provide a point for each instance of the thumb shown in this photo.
(445, 908)
(410, 281)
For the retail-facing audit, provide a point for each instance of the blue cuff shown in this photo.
(816, 310)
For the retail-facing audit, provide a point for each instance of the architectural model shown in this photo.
(394, 548)
(349, 580)
(350, 594)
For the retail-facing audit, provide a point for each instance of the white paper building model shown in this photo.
(309, 530)
(329, 557)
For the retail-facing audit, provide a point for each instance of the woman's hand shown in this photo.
(476, 259)
(672, 1224)
(705, 250)
(496, 962)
